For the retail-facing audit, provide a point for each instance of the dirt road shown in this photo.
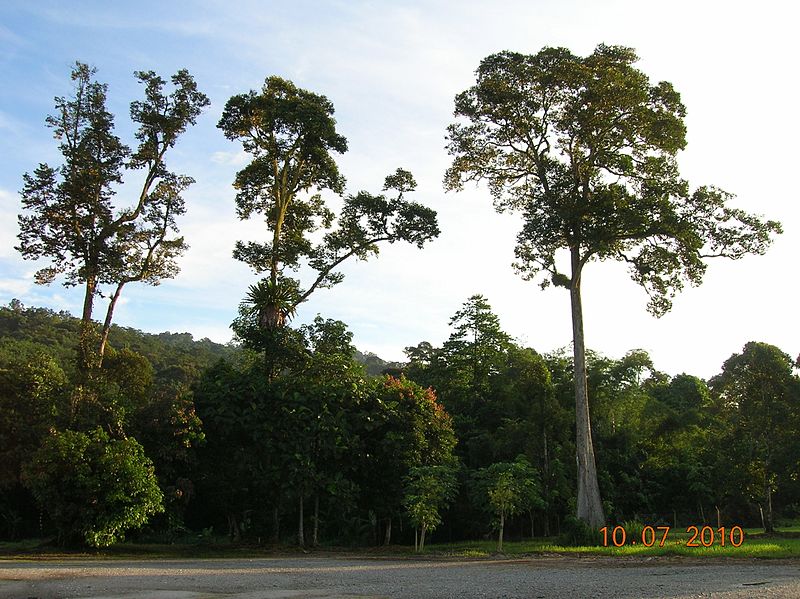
(334, 577)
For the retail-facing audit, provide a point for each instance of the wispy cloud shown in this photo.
(237, 159)
(9, 208)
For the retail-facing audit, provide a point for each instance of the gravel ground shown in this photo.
(334, 577)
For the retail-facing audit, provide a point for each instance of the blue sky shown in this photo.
(392, 69)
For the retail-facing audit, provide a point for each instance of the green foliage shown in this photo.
(577, 533)
(174, 357)
(633, 531)
(241, 448)
(291, 134)
(428, 490)
(32, 392)
(69, 218)
(318, 428)
(404, 427)
(128, 396)
(584, 149)
(93, 487)
(508, 488)
(759, 397)
(502, 401)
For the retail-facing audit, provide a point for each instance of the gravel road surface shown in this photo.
(334, 577)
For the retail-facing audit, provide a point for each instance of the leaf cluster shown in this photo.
(585, 149)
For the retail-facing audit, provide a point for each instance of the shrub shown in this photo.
(633, 531)
(93, 487)
(577, 533)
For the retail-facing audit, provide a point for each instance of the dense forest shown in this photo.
(289, 434)
(459, 439)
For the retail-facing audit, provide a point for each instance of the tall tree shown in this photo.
(477, 347)
(405, 427)
(584, 149)
(761, 396)
(292, 136)
(465, 373)
(71, 218)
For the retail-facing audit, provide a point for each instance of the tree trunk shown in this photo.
(86, 345)
(416, 540)
(388, 538)
(276, 525)
(422, 537)
(107, 323)
(590, 507)
(500, 536)
(769, 525)
(719, 517)
(88, 300)
(300, 534)
(234, 533)
(546, 530)
(533, 530)
(315, 535)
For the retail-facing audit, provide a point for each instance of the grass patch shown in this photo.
(778, 545)
(756, 545)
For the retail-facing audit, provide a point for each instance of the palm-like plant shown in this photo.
(272, 304)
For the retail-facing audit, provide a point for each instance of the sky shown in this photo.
(392, 70)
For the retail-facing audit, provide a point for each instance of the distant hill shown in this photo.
(377, 366)
(58, 331)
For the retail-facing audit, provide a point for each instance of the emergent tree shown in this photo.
(291, 134)
(71, 219)
(584, 149)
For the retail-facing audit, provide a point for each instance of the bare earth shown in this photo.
(336, 577)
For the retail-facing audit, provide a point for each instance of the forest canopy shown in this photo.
(433, 450)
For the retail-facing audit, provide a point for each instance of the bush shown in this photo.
(93, 487)
(576, 533)
(633, 531)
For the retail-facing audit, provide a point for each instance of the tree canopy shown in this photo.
(584, 149)
(71, 218)
(291, 134)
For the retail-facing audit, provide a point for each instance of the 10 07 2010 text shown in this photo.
(705, 536)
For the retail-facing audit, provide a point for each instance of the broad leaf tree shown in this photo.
(761, 398)
(508, 488)
(291, 134)
(70, 218)
(405, 428)
(428, 490)
(584, 149)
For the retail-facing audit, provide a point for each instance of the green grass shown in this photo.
(785, 544)
(754, 546)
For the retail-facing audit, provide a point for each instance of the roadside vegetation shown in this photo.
(781, 544)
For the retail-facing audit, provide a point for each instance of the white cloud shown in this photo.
(14, 287)
(238, 159)
(9, 208)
